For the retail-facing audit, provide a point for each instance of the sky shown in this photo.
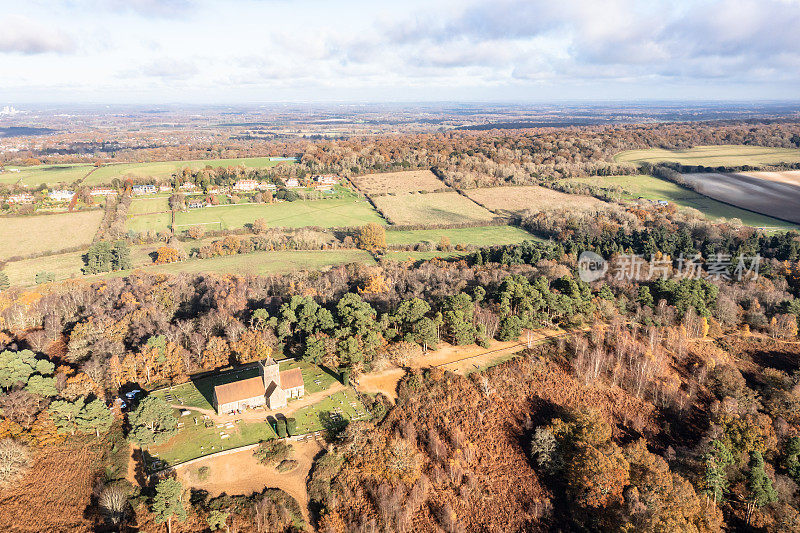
(250, 51)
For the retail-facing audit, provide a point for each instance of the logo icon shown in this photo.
(591, 266)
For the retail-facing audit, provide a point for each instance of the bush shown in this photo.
(281, 428)
(44, 277)
(286, 465)
(291, 426)
(273, 451)
(203, 473)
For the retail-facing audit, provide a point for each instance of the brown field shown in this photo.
(399, 182)
(30, 234)
(518, 199)
(431, 208)
(52, 495)
(776, 194)
(241, 473)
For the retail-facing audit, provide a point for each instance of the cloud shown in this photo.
(153, 8)
(22, 35)
(167, 69)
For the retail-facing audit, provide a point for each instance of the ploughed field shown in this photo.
(776, 194)
(399, 182)
(518, 199)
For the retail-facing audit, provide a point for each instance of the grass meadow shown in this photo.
(399, 182)
(479, 236)
(70, 173)
(24, 235)
(432, 208)
(329, 213)
(725, 155)
(518, 199)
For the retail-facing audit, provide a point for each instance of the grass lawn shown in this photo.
(195, 440)
(23, 235)
(403, 255)
(327, 213)
(658, 189)
(480, 236)
(62, 266)
(726, 155)
(148, 205)
(152, 222)
(48, 174)
(261, 263)
(165, 169)
(316, 417)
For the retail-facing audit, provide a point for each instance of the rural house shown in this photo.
(21, 198)
(245, 185)
(271, 388)
(144, 189)
(61, 196)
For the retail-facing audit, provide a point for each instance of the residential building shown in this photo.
(326, 179)
(61, 196)
(195, 203)
(245, 185)
(292, 182)
(188, 186)
(266, 186)
(21, 198)
(144, 189)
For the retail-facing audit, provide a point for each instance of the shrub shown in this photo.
(273, 451)
(203, 472)
(291, 426)
(286, 465)
(281, 428)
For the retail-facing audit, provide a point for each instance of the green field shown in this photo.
(70, 173)
(261, 263)
(148, 205)
(196, 440)
(34, 176)
(712, 156)
(165, 169)
(25, 235)
(338, 212)
(658, 189)
(198, 393)
(316, 417)
(480, 236)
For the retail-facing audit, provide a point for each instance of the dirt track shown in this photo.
(776, 194)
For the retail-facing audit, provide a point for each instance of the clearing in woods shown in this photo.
(399, 182)
(24, 235)
(431, 208)
(713, 156)
(517, 199)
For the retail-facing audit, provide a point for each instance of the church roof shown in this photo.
(291, 379)
(239, 390)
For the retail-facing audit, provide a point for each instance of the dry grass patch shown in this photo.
(533, 197)
(52, 495)
(433, 208)
(399, 182)
(24, 235)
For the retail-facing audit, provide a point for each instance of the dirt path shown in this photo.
(460, 359)
(262, 414)
(241, 473)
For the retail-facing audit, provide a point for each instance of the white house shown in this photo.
(327, 179)
(61, 196)
(21, 198)
(144, 189)
(266, 186)
(188, 186)
(292, 182)
(245, 185)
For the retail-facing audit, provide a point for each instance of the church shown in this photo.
(271, 388)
